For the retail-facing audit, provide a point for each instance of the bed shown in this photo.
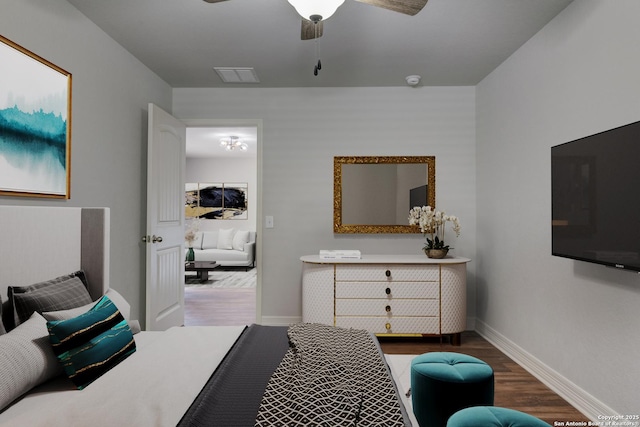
(304, 374)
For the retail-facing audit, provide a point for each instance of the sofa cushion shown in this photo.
(225, 238)
(197, 242)
(223, 256)
(239, 239)
(209, 240)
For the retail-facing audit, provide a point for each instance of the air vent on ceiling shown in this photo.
(237, 74)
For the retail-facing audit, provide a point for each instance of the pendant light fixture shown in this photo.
(232, 143)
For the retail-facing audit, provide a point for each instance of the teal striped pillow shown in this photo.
(92, 343)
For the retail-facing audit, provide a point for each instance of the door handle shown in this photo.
(152, 239)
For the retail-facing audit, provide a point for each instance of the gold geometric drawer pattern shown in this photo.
(395, 273)
(387, 308)
(387, 290)
(397, 325)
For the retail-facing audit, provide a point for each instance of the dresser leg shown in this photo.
(456, 339)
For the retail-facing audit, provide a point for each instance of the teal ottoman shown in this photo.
(442, 383)
(493, 416)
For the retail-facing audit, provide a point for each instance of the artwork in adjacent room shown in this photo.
(216, 200)
(35, 125)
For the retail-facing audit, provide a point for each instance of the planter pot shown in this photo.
(436, 253)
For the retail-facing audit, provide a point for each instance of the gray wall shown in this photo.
(576, 77)
(300, 139)
(111, 90)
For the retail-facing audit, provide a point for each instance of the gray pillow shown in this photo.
(61, 293)
(2, 330)
(27, 359)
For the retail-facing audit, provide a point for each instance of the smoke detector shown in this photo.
(412, 80)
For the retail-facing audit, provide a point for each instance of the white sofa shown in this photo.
(227, 247)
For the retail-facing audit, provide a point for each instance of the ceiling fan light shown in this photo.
(324, 8)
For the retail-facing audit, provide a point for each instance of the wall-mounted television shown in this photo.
(595, 198)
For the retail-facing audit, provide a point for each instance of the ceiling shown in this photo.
(450, 42)
(205, 142)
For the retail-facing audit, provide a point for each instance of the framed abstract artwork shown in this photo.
(35, 125)
(216, 200)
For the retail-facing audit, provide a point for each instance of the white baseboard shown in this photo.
(280, 320)
(577, 397)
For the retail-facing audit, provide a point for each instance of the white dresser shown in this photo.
(387, 294)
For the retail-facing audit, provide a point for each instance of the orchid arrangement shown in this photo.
(190, 234)
(432, 224)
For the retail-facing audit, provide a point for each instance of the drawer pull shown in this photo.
(387, 291)
(388, 308)
(387, 273)
(388, 326)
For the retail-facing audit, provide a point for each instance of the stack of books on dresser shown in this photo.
(340, 254)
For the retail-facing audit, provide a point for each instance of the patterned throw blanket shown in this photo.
(330, 377)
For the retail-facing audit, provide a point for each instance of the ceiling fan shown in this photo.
(314, 12)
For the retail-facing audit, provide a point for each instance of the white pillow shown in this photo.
(121, 304)
(225, 238)
(239, 239)
(27, 359)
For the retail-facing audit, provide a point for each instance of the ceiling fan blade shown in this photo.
(408, 7)
(214, 1)
(308, 31)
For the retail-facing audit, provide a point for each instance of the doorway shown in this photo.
(231, 294)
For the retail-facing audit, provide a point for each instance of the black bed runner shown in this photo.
(232, 396)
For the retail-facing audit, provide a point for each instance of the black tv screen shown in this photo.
(595, 198)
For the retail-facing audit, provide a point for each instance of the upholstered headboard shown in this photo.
(39, 243)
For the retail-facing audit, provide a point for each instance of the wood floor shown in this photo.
(219, 306)
(515, 388)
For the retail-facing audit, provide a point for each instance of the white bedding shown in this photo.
(153, 387)
(400, 365)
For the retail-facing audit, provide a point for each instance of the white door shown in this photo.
(165, 220)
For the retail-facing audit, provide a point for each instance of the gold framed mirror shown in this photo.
(373, 194)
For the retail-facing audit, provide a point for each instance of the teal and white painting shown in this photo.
(34, 124)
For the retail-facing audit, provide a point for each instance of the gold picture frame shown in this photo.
(35, 125)
(369, 200)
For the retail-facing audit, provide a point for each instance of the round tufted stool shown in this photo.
(442, 383)
(493, 416)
